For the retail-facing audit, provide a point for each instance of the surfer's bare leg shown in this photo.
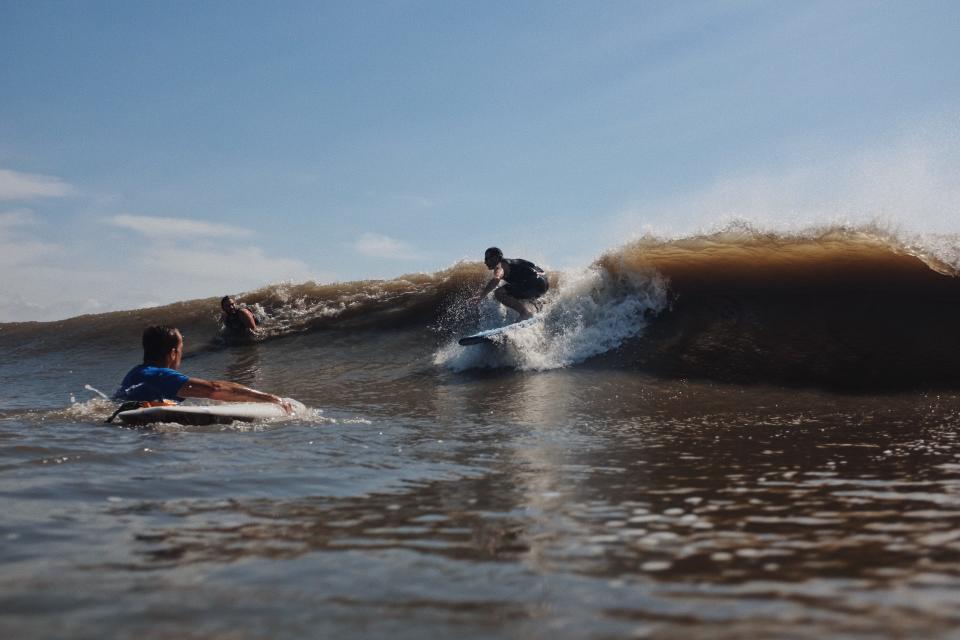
(509, 301)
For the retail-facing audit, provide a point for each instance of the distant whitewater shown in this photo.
(852, 308)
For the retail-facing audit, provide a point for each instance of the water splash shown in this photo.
(592, 311)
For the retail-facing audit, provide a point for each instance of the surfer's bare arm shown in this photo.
(227, 391)
(248, 319)
(497, 276)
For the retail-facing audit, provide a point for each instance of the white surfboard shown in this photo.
(490, 335)
(207, 414)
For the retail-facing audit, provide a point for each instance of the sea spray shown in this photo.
(845, 307)
(591, 311)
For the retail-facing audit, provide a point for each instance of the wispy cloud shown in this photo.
(19, 247)
(41, 287)
(26, 186)
(376, 245)
(202, 267)
(48, 281)
(417, 201)
(16, 218)
(908, 181)
(156, 226)
(231, 269)
(39, 284)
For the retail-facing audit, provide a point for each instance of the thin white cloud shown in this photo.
(40, 288)
(26, 186)
(23, 262)
(236, 268)
(23, 251)
(417, 201)
(157, 226)
(16, 218)
(906, 182)
(17, 246)
(376, 245)
(47, 281)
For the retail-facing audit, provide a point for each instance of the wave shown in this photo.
(845, 307)
(839, 307)
(283, 309)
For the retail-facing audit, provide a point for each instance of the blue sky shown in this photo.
(157, 151)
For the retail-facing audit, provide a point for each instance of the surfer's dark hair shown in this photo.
(225, 299)
(158, 341)
(493, 253)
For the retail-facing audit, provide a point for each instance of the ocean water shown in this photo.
(727, 436)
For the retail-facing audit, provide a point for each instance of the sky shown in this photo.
(152, 152)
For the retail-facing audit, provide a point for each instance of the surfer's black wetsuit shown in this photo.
(235, 327)
(234, 322)
(525, 280)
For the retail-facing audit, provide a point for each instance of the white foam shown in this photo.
(95, 409)
(591, 312)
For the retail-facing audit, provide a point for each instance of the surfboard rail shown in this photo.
(200, 415)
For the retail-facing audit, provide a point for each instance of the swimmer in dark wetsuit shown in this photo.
(524, 281)
(238, 322)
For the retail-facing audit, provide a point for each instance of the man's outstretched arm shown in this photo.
(226, 391)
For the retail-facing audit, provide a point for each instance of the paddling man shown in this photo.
(524, 281)
(158, 379)
(238, 321)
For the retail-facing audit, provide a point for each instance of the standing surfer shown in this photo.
(524, 281)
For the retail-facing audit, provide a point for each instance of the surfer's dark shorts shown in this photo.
(529, 292)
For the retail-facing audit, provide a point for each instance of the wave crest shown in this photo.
(836, 306)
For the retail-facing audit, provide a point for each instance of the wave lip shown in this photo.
(848, 308)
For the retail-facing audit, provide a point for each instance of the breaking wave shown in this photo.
(589, 312)
(853, 308)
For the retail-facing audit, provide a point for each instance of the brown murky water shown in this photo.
(567, 503)
(655, 462)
